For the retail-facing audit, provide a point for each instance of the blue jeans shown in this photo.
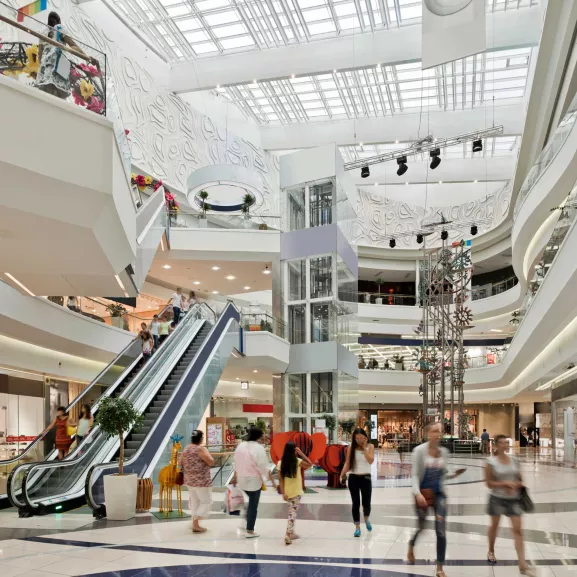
(440, 510)
(176, 313)
(252, 509)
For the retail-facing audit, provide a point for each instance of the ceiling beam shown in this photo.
(405, 127)
(509, 29)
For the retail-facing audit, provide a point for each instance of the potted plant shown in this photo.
(116, 312)
(347, 426)
(379, 299)
(115, 417)
(330, 424)
(263, 226)
(265, 325)
(247, 201)
(203, 195)
(398, 360)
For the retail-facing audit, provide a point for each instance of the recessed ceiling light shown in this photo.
(214, 292)
(360, 143)
(406, 184)
(166, 266)
(230, 277)
(334, 71)
(376, 184)
(254, 81)
(246, 288)
(292, 75)
(255, 371)
(215, 268)
(253, 382)
(196, 282)
(495, 331)
(475, 181)
(218, 86)
(396, 142)
(440, 182)
(237, 378)
(266, 270)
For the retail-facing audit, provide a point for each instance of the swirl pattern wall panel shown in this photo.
(379, 218)
(168, 138)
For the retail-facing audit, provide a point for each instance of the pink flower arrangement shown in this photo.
(96, 105)
(126, 131)
(157, 184)
(140, 180)
(75, 73)
(89, 69)
(78, 100)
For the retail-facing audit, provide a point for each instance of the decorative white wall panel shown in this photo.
(168, 138)
(379, 218)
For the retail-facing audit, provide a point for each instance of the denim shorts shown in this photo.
(501, 506)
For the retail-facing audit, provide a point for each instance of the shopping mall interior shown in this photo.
(313, 251)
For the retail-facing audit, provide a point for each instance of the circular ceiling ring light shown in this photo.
(227, 185)
(446, 7)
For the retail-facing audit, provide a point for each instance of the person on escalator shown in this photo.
(176, 300)
(163, 329)
(85, 423)
(63, 437)
(154, 329)
(146, 341)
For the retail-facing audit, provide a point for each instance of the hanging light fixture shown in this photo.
(420, 238)
(266, 270)
(477, 145)
(365, 172)
(444, 235)
(402, 163)
(436, 158)
(392, 243)
(474, 230)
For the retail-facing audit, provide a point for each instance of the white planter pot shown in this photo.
(202, 223)
(398, 366)
(379, 301)
(117, 322)
(120, 496)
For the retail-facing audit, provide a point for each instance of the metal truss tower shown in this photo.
(444, 290)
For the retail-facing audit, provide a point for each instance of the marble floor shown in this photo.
(75, 544)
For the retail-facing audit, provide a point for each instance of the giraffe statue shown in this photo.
(167, 480)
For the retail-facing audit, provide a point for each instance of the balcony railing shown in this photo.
(410, 364)
(387, 299)
(256, 322)
(492, 289)
(53, 61)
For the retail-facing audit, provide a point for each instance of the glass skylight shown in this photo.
(386, 90)
(190, 29)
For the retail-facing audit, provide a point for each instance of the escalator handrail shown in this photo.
(100, 467)
(74, 461)
(43, 434)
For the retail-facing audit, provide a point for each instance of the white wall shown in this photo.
(23, 415)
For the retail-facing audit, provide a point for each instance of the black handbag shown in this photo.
(525, 502)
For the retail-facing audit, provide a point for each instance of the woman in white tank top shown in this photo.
(360, 457)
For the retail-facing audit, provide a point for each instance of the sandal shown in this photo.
(491, 558)
(440, 573)
(287, 540)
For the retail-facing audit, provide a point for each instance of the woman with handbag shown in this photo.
(360, 457)
(65, 428)
(429, 475)
(503, 477)
(54, 70)
(196, 462)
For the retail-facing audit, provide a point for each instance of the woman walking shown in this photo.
(84, 423)
(429, 475)
(290, 468)
(196, 462)
(251, 470)
(360, 457)
(63, 439)
(503, 477)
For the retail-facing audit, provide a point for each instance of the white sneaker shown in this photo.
(252, 535)
(529, 572)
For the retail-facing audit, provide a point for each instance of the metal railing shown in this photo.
(387, 299)
(492, 289)
(182, 219)
(410, 363)
(255, 322)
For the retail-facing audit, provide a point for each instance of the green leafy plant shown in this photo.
(330, 421)
(115, 417)
(380, 281)
(116, 310)
(370, 425)
(203, 195)
(247, 201)
(265, 325)
(261, 425)
(347, 426)
(398, 358)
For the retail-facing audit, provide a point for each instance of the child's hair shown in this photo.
(289, 463)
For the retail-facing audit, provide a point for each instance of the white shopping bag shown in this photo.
(233, 500)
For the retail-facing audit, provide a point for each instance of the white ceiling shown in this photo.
(185, 273)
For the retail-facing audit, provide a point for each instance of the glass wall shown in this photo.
(321, 277)
(321, 203)
(296, 208)
(322, 393)
(297, 388)
(322, 322)
(296, 324)
(297, 279)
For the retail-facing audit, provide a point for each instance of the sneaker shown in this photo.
(251, 535)
(529, 572)
(369, 526)
(357, 532)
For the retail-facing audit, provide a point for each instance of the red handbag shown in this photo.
(179, 478)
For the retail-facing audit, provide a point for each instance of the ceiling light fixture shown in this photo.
(435, 154)
(376, 184)
(255, 371)
(365, 172)
(266, 270)
(246, 288)
(402, 166)
(477, 145)
(425, 145)
(215, 268)
(16, 281)
(214, 292)
(196, 282)
(166, 266)
(230, 277)
(495, 331)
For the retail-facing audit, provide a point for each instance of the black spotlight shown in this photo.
(436, 156)
(477, 145)
(392, 243)
(402, 162)
(444, 235)
(419, 239)
(365, 172)
(474, 230)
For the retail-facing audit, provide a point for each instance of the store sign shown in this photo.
(374, 427)
(251, 408)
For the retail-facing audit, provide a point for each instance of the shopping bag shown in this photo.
(233, 500)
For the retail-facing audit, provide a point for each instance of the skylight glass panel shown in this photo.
(218, 18)
(205, 47)
(178, 10)
(229, 43)
(188, 24)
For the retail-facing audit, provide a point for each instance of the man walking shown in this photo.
(485, 440)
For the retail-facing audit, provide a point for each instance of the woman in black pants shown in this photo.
(360, 457)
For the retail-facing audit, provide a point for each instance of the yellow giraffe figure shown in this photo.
(167, 480)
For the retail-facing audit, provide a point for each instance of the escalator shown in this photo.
(115, 377)
(177, 384)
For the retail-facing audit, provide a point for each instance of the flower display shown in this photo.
(86, 89)
(140, 181)
(78, 100)
(95, 105)
(75, 73)
(148, 180)
(156, 184)
(89, 69)
(32, 61)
